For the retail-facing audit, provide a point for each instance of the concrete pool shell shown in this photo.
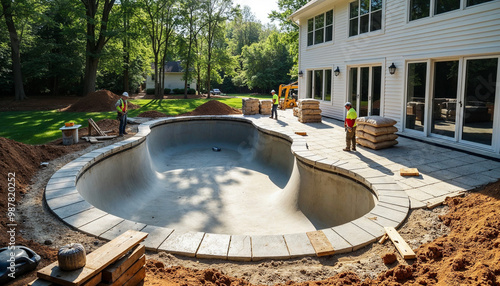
(255, 199)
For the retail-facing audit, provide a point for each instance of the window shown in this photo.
(422, 8)
(443, 6)
(365, 16)
(319, 84)
(475, 2)
(320, 29)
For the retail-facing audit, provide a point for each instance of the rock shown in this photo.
(389, 258)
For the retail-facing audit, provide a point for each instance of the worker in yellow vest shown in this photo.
(350, 127)
(274, 111)
(121, 107)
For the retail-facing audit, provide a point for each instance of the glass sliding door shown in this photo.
(309, 84)
(353, 87)
(318, 84)
(479, 100)
(364, 91)
(328, 85)
(445, 98)
(415, 96)
(376, 90)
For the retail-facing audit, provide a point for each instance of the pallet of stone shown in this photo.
(265, 106)
(97, 261)
(376, 132)
(296, 111)
(308, 104)
(250, 106)
(315, 118)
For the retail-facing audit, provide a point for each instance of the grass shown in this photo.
(259, 96)
(40, 127)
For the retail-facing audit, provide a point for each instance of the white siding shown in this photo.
(172, 80)
(470, 31)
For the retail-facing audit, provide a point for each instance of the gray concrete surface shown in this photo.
(444, 172)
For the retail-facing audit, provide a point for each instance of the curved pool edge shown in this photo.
(391, 210)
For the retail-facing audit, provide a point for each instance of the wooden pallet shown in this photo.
(97, 261)
(93, 125)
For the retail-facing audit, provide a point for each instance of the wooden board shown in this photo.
(127, 275)
(320, 243)
(409, 172)
(138, 278)
(96, 261)
(301, 133)
(400, 243)
(115, 270)
(92, 282)
(383, 238)
(93, 125)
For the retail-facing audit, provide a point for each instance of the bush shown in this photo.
(150, 91)
(191, 91)
(167, 90)
(178, 90)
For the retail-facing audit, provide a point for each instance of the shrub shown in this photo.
(150, 91)
(191, 91)
(178, 90)
(167, 90)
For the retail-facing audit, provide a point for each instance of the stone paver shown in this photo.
(299, 245)
(214, 246)
(183, 243)
(156, 237)
(269, 246)
(240, 248)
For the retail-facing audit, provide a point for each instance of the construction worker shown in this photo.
(274, 111)
(350, 127)
(121, 107)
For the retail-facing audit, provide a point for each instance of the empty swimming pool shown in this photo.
(196, 182)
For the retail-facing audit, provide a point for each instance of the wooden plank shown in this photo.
(138, 278)
(96, 261)
(409, 172)
(115, 270)
(94, 280)
(320, 243)
(383, 239)
(94, 125)
(127, 275)
(40, 282)
(93, 140)
(301, 133)
(400, 243)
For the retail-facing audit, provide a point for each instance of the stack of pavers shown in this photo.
(265, 106)
(296, 111)
(309, 111)
(376, 132)
(250, 106)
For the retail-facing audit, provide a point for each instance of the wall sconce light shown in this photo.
(337, 71)
(301, 74)
(392, 69)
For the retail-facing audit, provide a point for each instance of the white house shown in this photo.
(446, 57)
(173, 77)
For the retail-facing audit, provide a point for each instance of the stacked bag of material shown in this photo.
(376, 132)
(250, 106)
(266, 106)
(296, 111)
(309, 111)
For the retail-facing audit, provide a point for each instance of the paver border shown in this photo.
(391, 208)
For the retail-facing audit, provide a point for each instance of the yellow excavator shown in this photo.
(289, 93)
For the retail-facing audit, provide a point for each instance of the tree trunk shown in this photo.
(15, 52)
(90, 75)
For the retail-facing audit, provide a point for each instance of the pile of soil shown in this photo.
(152, 114)
(98, 101)
(24, 161)
(213, 107)
(105, 125)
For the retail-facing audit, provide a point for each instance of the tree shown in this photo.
(218, 11)
(95, 42)
(15, 42)
(265, 63)
(160, 24)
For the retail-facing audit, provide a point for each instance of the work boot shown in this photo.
(121, 135)
(125, 133)
(271, 117)
(347, 149)
(353, 148)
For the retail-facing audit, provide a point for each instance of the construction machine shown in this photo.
(287, 96)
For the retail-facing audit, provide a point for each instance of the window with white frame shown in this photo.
(320, 28)
(422, 8)
(365, 16)
(319, 84)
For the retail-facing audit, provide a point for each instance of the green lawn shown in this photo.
(259, 96)
(39, 127)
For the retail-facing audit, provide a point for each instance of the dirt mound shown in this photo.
(157, 274)
(105, 125)
(213, 107)
(99, 101)
(152, 114)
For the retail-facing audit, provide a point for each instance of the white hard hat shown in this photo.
(273, 91)
(125, 94)
(347, 104)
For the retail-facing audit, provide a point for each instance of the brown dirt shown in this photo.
(213, 107)
(98, 101)
(152, 114)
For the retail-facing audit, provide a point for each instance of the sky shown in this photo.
(260, 8)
